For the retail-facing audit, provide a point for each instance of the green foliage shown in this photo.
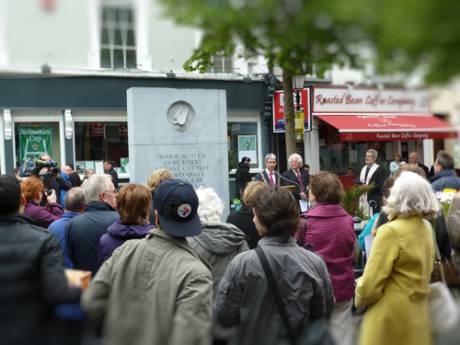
(403, 34)
(416, 33)
(350, 201)
(289, 33)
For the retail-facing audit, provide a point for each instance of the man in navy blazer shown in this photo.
(297, 176)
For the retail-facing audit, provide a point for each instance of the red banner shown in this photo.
(278, 109)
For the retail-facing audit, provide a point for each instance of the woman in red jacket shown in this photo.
(331, 235)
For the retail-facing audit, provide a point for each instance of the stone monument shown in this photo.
(183, 130)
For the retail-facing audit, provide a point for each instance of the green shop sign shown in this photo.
(34, 141)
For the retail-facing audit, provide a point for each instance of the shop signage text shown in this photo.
(341, 100)
(391, 136)
(35, 141)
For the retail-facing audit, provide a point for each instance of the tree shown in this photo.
(291, 34)
(415, 34)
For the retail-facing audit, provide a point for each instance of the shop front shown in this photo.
(82, 120)
(351, 121)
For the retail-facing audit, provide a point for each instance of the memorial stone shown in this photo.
(183, 130)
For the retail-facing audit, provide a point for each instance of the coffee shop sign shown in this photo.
(342, 100)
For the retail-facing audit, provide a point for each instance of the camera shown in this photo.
(47, 192)
(46, 163)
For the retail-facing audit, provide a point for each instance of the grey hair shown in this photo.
(211, 206)
(411, 194)
(96, 184)
(295, 157)
(445, 160)
(74, 199)
(270, 156)
(373, 152)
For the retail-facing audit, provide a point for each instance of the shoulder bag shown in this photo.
(315, 332)
(444, 314)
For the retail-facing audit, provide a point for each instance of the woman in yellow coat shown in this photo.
(394, 285)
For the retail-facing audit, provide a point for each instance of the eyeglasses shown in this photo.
(111, 192)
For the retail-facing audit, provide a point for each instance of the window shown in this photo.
(221, 64)
(96, 141)
(242, 142)
(118, 41)
(33, 139)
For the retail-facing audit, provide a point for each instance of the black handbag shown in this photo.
(315, 332)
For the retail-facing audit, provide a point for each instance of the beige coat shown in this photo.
(394, 285)
(152, 291)
(453, 229)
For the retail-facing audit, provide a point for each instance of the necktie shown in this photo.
(299, 178)
(272, 181)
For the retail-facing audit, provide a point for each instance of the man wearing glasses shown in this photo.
(83, 231)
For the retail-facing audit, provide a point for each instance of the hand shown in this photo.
(51, 198)
(78, 278)
(303, 196)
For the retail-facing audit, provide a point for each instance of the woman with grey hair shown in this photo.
(219, 242)
(394, 285)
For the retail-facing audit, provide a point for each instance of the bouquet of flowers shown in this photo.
(445, 198)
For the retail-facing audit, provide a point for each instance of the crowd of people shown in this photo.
(167, 269)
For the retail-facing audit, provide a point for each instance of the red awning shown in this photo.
(389, 127)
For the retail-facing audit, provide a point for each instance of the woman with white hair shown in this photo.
(218, 242)
(394, 285)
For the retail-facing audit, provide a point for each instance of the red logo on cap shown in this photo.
(184, 210)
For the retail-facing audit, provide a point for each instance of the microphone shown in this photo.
(289, 180)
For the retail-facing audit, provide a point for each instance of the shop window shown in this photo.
(118, 38)
(339, 156)
(97, 141)
(33, 139)
(242, 141)
(221, 64)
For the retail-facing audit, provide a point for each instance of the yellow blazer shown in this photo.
(394, 285)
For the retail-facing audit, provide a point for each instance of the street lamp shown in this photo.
(297, 85)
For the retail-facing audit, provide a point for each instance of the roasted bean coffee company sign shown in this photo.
(345, 101)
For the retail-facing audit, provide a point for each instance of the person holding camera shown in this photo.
(48, 171)
(34, 193)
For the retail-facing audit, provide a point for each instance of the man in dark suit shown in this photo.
(270, 176)
(372, 174)
(413, 159)
(297, 176)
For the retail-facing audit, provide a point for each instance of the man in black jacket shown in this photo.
(109, 170)
(84, 231)
(297, 176)
(32, 278)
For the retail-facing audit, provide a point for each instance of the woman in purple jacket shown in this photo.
(133, 205)
(331, 235)
(33, 190)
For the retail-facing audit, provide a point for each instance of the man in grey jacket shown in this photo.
(156, 290)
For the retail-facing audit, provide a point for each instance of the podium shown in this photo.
(289, 188)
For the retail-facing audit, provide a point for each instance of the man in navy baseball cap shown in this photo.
(174, 282)
(176, 204)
